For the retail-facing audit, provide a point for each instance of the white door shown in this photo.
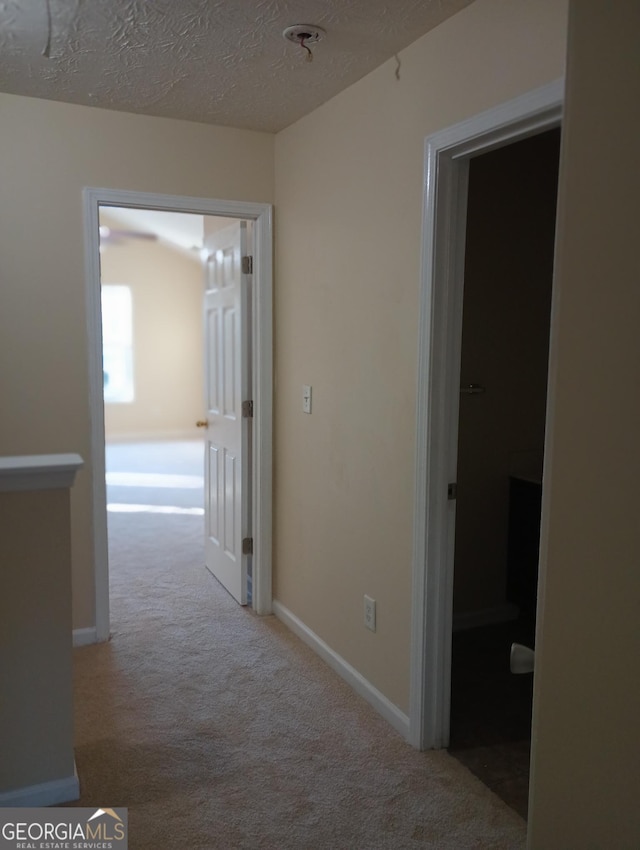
(227, 384)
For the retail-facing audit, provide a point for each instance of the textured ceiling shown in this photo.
(214, 61)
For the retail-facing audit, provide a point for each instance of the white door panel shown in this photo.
(226, 316)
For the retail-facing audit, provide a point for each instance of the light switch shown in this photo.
(306, 398)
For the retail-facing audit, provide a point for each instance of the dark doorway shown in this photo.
(505, 346)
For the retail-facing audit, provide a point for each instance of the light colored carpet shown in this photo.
(219, 729)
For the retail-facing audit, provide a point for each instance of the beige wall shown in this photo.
(586, 745)
(48, 152)
(349, 194)
(166, 291)
(36, 712)
(505, 348)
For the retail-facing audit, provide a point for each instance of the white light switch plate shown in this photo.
(370, 613)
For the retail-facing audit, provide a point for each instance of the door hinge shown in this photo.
(452, 491)
(247, 545)
(247, 410)
(247, 264)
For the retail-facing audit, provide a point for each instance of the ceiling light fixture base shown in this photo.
(304, 33)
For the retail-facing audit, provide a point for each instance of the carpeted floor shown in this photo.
(219, 729)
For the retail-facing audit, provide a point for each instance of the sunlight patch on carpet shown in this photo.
(153, 509)
(155, 479)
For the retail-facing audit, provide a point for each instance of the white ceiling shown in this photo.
(214, 61)
(182, 230)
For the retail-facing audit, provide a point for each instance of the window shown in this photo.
(117, 344)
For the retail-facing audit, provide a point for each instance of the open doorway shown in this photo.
(448, 155)
(258, 267)
(176, 296)
(509, 249)
(152, 269)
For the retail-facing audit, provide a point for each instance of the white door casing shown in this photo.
(262, 380)
(447, 155)
(227, 450)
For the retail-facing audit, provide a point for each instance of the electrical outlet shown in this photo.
(370, 613)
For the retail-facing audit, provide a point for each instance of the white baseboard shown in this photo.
(83, 637)
(50, 793)
(485, 617)
(362, 686)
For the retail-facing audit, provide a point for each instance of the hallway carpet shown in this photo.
(219, 729)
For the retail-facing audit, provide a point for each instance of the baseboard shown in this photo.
(83, 637)
(362, 686)
(50, 793)
(485, 617)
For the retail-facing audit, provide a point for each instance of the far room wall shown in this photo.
(166, 288)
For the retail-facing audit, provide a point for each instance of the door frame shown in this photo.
(446, 169)
(262, 371)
